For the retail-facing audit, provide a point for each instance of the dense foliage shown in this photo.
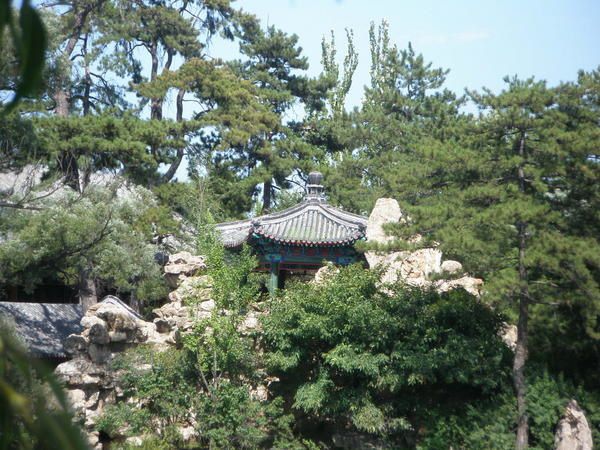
(354, 356)
(129, 94)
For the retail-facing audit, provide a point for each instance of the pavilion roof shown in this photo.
(312, 222)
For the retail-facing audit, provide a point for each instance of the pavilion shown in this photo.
(298, 240)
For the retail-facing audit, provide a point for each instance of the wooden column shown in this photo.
(274, 278)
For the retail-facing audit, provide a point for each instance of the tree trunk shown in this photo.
(521, 350)
(67, 162)
(169, 174)
(155, 103)
(135, 303)
(88, 294)
(267, 188)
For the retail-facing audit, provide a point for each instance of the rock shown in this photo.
(207, 305)
(174, 313)
(92, 401)
(250, 322)
(99, 354)
(471, 285)
(93, 438)
(174, 338)
(386, 210)
(508, 334)
(162, 325)
(80, 372)
(325, 273)
(188, 433)
(181, 265)
(135, 441)
(192, 288)
(412, 268)
(573, 431)
(76, 398)
(116, 317)
(90, 319)
(451, 267)
(419, 265)
(98, 334)
(120, 336)
(260, 393)
(75, 344)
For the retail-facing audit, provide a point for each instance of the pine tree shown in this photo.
(269, 159)
(499, 203)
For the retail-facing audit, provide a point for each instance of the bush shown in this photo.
(362, 359)
(490, 423)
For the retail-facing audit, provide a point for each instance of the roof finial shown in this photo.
(314, 187)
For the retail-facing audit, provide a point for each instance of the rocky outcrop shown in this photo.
(508, 334)
(573, 431)
(181, 266)
(386, 210)
(111, 327)
(421, 268)
(325, 273)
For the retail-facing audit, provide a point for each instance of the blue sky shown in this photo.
(479, 41)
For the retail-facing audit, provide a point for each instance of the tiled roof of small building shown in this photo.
(310, 223)
(43, 327)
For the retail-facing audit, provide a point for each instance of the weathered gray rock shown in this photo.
(162, 325)
(451, 267)
(181, 265)
(508, 334)
(325, 273)
(188, 433)
(111, 327)
(207, 305)
(116, 317)
(93, 438)
(76, 344)
(250, 322)
(120, 336)
(471, 285)
(134, 441)
(573, 431)
(418, 266)
(99, 354)
(81, 372)
(386, 210)
(76, 399)
(98, 333)
(92, 401)
(90, 319)
(192, 288)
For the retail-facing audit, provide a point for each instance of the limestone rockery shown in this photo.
(111, 327)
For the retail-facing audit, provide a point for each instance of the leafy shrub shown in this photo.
(490, 423)
(350, 354)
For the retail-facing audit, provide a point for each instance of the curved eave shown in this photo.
(234, 234)
(309, 243)
(351, 227)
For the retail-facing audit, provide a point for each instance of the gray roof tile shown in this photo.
(43, 326)
(312, 222)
